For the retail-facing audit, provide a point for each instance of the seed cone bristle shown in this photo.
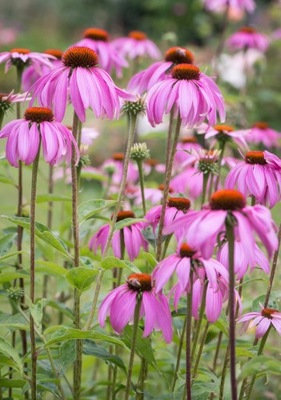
(38, 114)
(80, 57)
(227, 199)
(140, 282)
(186, 71)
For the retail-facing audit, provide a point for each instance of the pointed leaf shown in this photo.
(91, 208)
(7, 350)
(81, 278)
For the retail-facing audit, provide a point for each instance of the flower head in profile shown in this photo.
(262, 320)
(204, 227)
(8, 99)
(136, 44)
(109, 58)
(248, 38)
(261, 132)
(121, 302)
(193, 95)
(38, 126)
(258, 175)
(209, 272)
(80, 81)
(160, 70)
(133, 238)
(223, 133)
(22, 58)
(239, 5)
(184, 152)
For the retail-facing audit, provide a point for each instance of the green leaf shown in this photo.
(92, 349)
(7, 350)
(14, 253)
(67, 352)
(6, 242)
(15, 321)
(91, 208)
(143, 345)
(12, 383)
(273, 301)
(81, 278)
(4, 179)
(66, 333)
(36, 310)
(10, 276)
(46, 198)
(149, 258)
(112, 262)
(127, 222)
(61, 307)
(42, 232)
(50, 268)
(261, 365)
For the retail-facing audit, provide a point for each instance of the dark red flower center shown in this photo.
(118, 156)
(267, 312)
(125, 214)
(223, 128)
(137, 35)
(227, 199)
(140, 282)
(186, 251)
(261, 125)
(80, 57)
(162, 187)
(247, 29)
(180, 203)
(188, 139)
(179, 55)
(38, 114)
(20, 50)
(186, 71)
(54, 52)
(96, 34)
(255, 157)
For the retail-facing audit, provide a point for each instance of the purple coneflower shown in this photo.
(81, 81)
(136, 44)
(224, 133)
(202, 228)
(21, 58)
(184, 151)
(188, 182)
(260, 132)
(153, 195)
(38, 126)
(193, 95)
(120, 305)
(133, 238)
(248, 38)
(262, 320)
(98, 40)
(240, 5)
(258, 175)
(157, 72)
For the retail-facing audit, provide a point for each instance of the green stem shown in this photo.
(231, 302)
(95, 301)
(133, 347)
(2, 114)
(188, 339)
(202, 342)
(179, 355)
(222, 148)
(273, 269)
(167, 242)
(142, 378)
(223, 373)
(32, 273)
(204, 191)
(139, 164)
(199, 322)
(168, 176)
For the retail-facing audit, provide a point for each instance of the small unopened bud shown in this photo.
(208, 161)
(14, 293)
(139, 152)
(134, 107)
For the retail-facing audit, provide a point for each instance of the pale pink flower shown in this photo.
(81, 82)
(188, 182)
(193, 95)
(157, 72)
(121, 302)
(220, 5)
(248, 38)
(38, 125)
(258, 175)
(98, 40)
(153, 195)
(7, 35)
(184, 154)
(133, 237)
(262, 320)
(23, 57)
(136, 44)
(261, 132)
(203, 228)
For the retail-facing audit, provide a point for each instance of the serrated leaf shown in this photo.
(46, 198)
(261, 365)
(6, 242)
(7, 350)
(66, 333)
(51, 268)
(42, 232)
(81, 278)
(127, 222)
(91, 208)
(92, 349)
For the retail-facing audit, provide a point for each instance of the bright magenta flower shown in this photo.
(120, 305)
(193, 95)
(258, 175)
(133, 237)
(24, 57)
(136, 44)
(184, 154)
(98, 40)
(248, 38)
(188, 182)
(262, 320)
(261, 132)
(203, 228)
(240, 5)
(81, 82)
(38, 125)
(157, 72)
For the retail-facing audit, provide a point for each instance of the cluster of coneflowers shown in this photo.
(204, 230)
